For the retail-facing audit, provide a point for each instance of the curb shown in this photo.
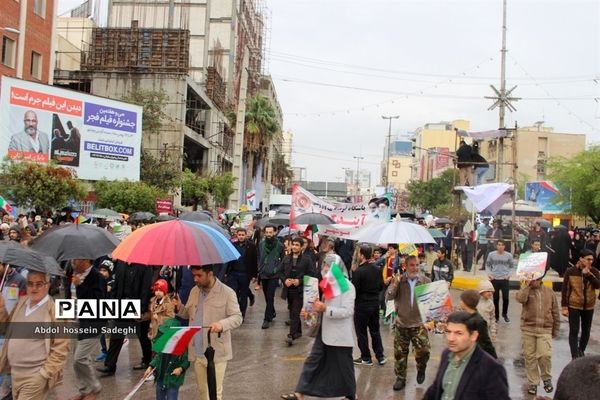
(464, 283)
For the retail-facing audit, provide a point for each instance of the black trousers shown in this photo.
(269, 286)
(482, 252)
(367, 317)
(501, 285)
(294, 298)
(575, 318)
(116, 344)
(239, 282)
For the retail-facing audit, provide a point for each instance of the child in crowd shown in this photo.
(468, 302)
(162, 306)
(486, 308)
(423, 267)
(169, 369)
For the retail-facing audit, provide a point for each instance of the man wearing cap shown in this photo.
(36, 363)
(540, 322)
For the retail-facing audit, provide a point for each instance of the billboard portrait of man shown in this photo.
(30, 139)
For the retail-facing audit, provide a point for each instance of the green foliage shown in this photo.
(579, 182)
(261, 119)
(521, 185)
(126, 196)
(154, 103)
(282, 172)
(431, 194)
(196, 189)
(159, 172)
(39, 186)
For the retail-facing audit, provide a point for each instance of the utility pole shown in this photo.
(389, 140)
(502, 99)
(358, 158)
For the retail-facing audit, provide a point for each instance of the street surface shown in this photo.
(264, 367)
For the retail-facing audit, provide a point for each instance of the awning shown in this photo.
(490, 196)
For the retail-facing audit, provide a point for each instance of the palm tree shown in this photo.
(261, 127)
(282, 173)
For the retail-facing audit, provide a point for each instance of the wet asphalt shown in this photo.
(264, 367)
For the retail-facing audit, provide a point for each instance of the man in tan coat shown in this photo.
(35, 363)
(540, 322)
(214, 306)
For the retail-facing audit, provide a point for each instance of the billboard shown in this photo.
(96, 137)
(543, 195)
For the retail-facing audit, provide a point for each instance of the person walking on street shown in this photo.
(408, 327)
(294, 267)
(368, 282)
(270, 253)
(466, 372)
(328, 370)
(242, 271)
(486, 308)
(468, 302)
(482, 242)
(89, 285)
(36, 364)
(213, 306)
(499, 267)
(442, 270)
(540, 322)
(578, 300)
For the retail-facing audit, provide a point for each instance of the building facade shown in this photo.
(27, 44)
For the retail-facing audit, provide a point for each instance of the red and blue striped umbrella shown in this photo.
(176, 242)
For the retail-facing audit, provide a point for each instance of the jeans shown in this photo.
(166, 394)
(367, 316)
(269, 286)
(239, 282)
(482, 252)
(500, 285)
(575, 316)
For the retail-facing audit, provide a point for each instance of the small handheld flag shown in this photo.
(334, 282)
(175, 340)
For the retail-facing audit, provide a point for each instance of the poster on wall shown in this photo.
(96, 137)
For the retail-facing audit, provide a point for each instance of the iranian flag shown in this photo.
(334, 282)
(175, 340)
(5, 206)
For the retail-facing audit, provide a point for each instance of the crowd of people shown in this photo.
(216, 298)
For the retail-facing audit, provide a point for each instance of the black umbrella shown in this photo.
(165, 217)
(314, 219)
(142, 216)
(211, 375)
(196, 216)
(16, 255)
(71, 241)
(277, 219)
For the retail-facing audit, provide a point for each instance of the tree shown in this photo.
(260, 129)
(159, 172)
(198, 188)
(282, 173)
(127, 196)
(222, 188)
(154, 103)
(433, 193)
(579, 182)
(40, 186)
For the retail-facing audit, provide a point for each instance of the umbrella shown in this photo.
(196, 216)
(314, 219)
(277, 219)
(17, 255)
(396, 232)
(71, 241)
(176, 243)
(442, 221)
(104, 213)
(211, 375)
(436, 233)
(522, 209)
(544, 223)
(165, 217)
(286, 232)
(142, 216)
(217, 226)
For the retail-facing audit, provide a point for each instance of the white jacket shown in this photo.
(338, 322)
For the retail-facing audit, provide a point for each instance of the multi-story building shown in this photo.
(27, 41)
(534, 145)
(434, 146)
(396, 164)
(358, 184)
(206, 56)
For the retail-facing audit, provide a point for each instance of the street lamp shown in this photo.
(387, 164)
(357, 158)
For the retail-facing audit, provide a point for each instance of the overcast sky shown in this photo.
(426, 61)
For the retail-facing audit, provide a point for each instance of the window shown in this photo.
(36, 65)
(8, 52)
(541, 169)
(39, 8)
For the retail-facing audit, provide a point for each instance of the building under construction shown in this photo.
(205, 55)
